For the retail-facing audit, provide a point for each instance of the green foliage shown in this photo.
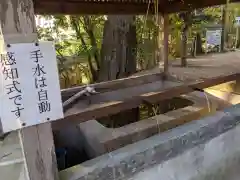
(79, 39)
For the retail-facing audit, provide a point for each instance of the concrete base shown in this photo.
(205, 149)
(12, 165)
(100, 140)
(218, 159)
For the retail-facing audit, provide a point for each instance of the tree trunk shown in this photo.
(184, 47)
(224, 23)
(199, 49)
(159, 41)
(193, 47)
(118, 58)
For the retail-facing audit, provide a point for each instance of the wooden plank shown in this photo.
(117, 101)
(114, 85)
(18, 25)
(100, 109)
(188, 87)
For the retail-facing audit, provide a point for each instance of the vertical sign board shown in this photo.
(237, 21)
(29, 85)
(214, 37)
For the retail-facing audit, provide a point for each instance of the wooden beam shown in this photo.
(100, 109)
(118, 6)
(114, 85)
(187, 88)
(83, 8)
(18, 25)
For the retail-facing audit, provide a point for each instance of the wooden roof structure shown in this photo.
(120, 6)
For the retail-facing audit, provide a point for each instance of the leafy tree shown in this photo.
(189, 20)
(91, 48)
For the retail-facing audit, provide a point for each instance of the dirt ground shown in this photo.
(201, 67)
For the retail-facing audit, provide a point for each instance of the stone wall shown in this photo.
(99, 140)
(205, 149)
(218, 159)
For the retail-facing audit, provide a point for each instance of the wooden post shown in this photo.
(195, 47)
(237, 36)
(224, 21)
(159, 40)
(165, 42)
(162, 41)
(18, 26)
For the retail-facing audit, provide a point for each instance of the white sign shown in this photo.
(237, 21)
(214, 37)
(29, 85)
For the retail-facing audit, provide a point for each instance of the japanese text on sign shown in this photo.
(30, 91)
(40, 82)
(10, 75)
